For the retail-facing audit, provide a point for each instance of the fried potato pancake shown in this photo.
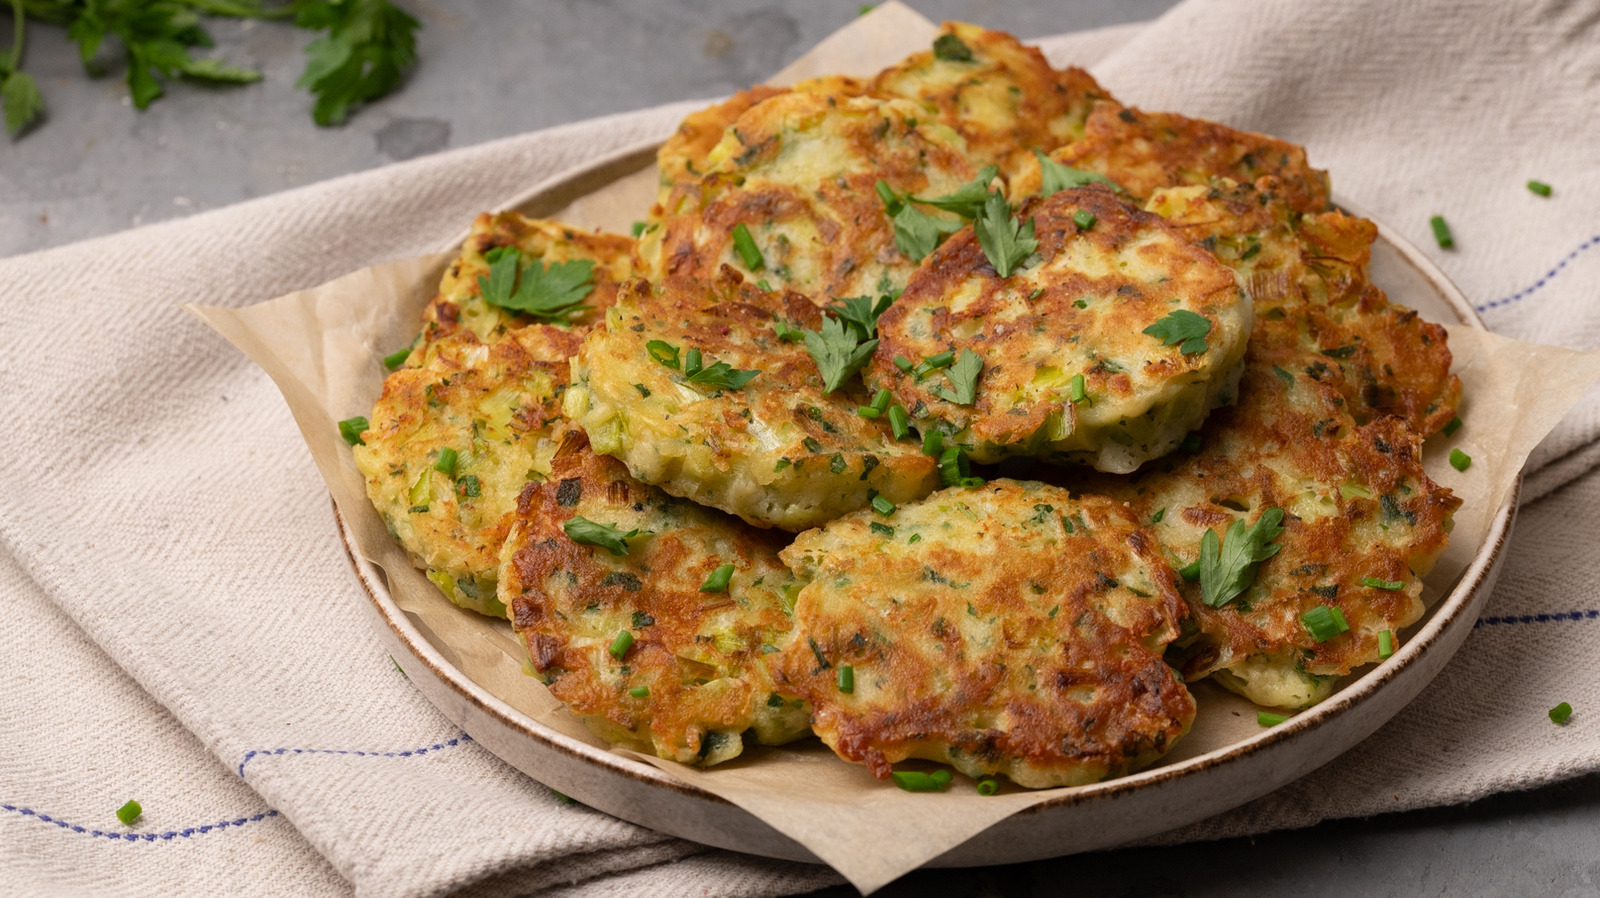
(689, 678)
(1143, 151)
(1069, 326)
(777, 452)
(460, 304)
(997, 93)
(1008, 629)
(1307, 277)
(492, 406)
(798, 171)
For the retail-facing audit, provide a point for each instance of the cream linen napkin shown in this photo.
(158, 495)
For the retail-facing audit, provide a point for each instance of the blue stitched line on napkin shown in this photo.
(1524, 294)
(1545, 618)
(438, 746)
(139, 837)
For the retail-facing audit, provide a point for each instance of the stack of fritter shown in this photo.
(858, 308)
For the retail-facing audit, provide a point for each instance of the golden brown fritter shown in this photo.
(1143, 151)
(1307, 276)
(777, 451)
(690, 677)
(460, 304)
(1356, 505)
(681, 161)
(799, 171)
(493, 406)
(998, 94)
(1006, 629)
(1069, 325)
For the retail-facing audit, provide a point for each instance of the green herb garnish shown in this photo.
(1229, 568)
(446, 463)
(1454, 425)
(1441, 232)
(917, 781)
(1324, 622)
(351, 429)
(916, 233)
(1268, 719)
(899, 421)
(131, 811)
(607, 536)
(719, 579)
(949, 48)
(1385, 643)
(1182, 327)
(640, 692)
(553, 292)
(621, 644)
(1056, 177)
(749, 253)
(988, 786)
(1539, 187)
(1076, 390)
(1558, 714)
(963, 377)
(1380, 583)
(837, 352)
(1084, 219)
(967, 200)
(1460, 460)
(1004, 240)
(847, 679)
(397, 358)
(882, 506)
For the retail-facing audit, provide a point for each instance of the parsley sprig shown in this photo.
(916, 233)
(1057, 177)
(553, 292)
(1228, 567)
(1004, 239)
(963, 377)
(1182, 327)
(838, 352)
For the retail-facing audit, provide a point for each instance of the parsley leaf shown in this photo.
(861, 313)
(950, 48)
(22, 100)
(553, 292)
(1058, 177)
(837, 352)
(1182, 326)
(916, 233)
(156, 38)
(721, 374)
(1227, 570)
(963, 377)
(787, 332)
(607, 536)
(369, 46)
(1004, 240)
(968, 199)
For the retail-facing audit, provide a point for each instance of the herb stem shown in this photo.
(14, 62)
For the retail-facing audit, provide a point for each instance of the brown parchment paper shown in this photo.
(323, 347)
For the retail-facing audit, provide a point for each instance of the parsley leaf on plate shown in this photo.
(916, 233)
(963, 376)
(1228, 569)
(721, 374)
(22, 101)
(1182, 326)
(1058, 177)
(369, 46)
(553, 292)
(968, 199)
(861, 313)
(607, 536)
(1004, 240)
(837, 352)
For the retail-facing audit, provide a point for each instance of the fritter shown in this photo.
(613, 589)
(774, 450)
(460, 304)
(796, 174)
(1358, 510)
(1071, 371)
(451, 441)
(997, 93)
(1143, 151)
(1307, 277)
(1008, 629)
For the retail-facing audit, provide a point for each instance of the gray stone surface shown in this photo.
(491, 70)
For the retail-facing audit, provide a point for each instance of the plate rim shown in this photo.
(1464, 598)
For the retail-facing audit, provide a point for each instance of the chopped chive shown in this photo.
(1385, 643)
(881, 400)
(1084, 219)
(351, 428)
(718, 581)
(1454, 425)
(914, 538)
(766, 287)
(903, 363)
(1190, 571)
(621, 644)
(469, 487)
(446, 464)
(917, 781)
(563, 797)
(1160, 513)
(847, 679)
(746, 245)
(640, 692)
(131, 811)
(941, 776)
(867, 411)
(932, 442)
(1460, 460)
(638, 228)
(1380, 583)
(1355, 491)
(988, 786)
(882, 506)
(1441, 232)
(663, 352)
(1324, 622)
(1558, 714)
(899, 421)
(693, 363)
(1268, 719)
(1539, 187)
(1076, 390)
(397, 358)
